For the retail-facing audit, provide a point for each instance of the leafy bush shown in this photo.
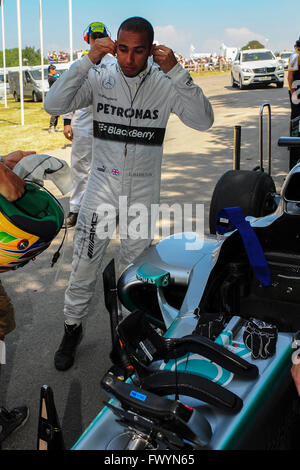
(12, 57)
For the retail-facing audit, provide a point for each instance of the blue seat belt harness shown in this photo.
(235, 216)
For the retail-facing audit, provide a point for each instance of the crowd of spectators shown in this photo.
(57, 57)
(61, 57)
(208, 63)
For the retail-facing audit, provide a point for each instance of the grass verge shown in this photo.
(208, 73)
(34, 134)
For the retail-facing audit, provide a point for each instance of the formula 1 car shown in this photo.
(203, 361)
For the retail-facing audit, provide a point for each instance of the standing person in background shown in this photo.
(294, 80)
(52, 77)
(78, 128)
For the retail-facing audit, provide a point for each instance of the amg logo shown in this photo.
(92, 235)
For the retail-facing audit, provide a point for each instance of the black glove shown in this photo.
(260, 337)
(210, 325)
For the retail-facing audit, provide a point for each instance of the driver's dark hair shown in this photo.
(97, 35)
(137, 24)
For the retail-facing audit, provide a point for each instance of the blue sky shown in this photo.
(203, 23)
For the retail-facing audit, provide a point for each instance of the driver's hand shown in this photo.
(164, 57)
(12, 187)
(11, 159)
(100, 48)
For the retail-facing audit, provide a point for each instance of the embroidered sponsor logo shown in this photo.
(189, 82)
(101, 168)
(130, 134)
(140, 173)
(127, 112)
(108, 98)
(109, 82)
(92, 235)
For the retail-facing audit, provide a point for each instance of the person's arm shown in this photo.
(295, 371)
(11, 186)
(290, 79)
(292, 67)
(11, 159)
(73, 90)
(68, 132)
(188, 100)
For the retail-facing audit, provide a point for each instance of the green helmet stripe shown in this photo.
(6, 237)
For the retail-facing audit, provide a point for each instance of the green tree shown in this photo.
(253, 45)
(31, 56)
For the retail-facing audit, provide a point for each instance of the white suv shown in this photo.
(253, 66)
(284, 58)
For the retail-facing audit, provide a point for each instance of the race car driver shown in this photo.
(294, 80)
(78, 128)
(132, 101)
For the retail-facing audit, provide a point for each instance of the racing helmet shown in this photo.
(27, 226)
(97, 29)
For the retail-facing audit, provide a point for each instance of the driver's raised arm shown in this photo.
(189, 102)
(72, 90)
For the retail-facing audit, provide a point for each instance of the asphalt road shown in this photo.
(193, 163)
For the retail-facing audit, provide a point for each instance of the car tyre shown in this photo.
(233, 82)
(241, 86)
(252, 191)
(279, 84)
(16, 97)
(34, 97)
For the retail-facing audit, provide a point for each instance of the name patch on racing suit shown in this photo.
(129, 134)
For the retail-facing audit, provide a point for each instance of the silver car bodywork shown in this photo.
(192, 271)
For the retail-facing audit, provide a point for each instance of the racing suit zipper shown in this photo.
(132, 99)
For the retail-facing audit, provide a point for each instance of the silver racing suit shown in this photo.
(81, 156)
(81, 122)
(130, 116)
